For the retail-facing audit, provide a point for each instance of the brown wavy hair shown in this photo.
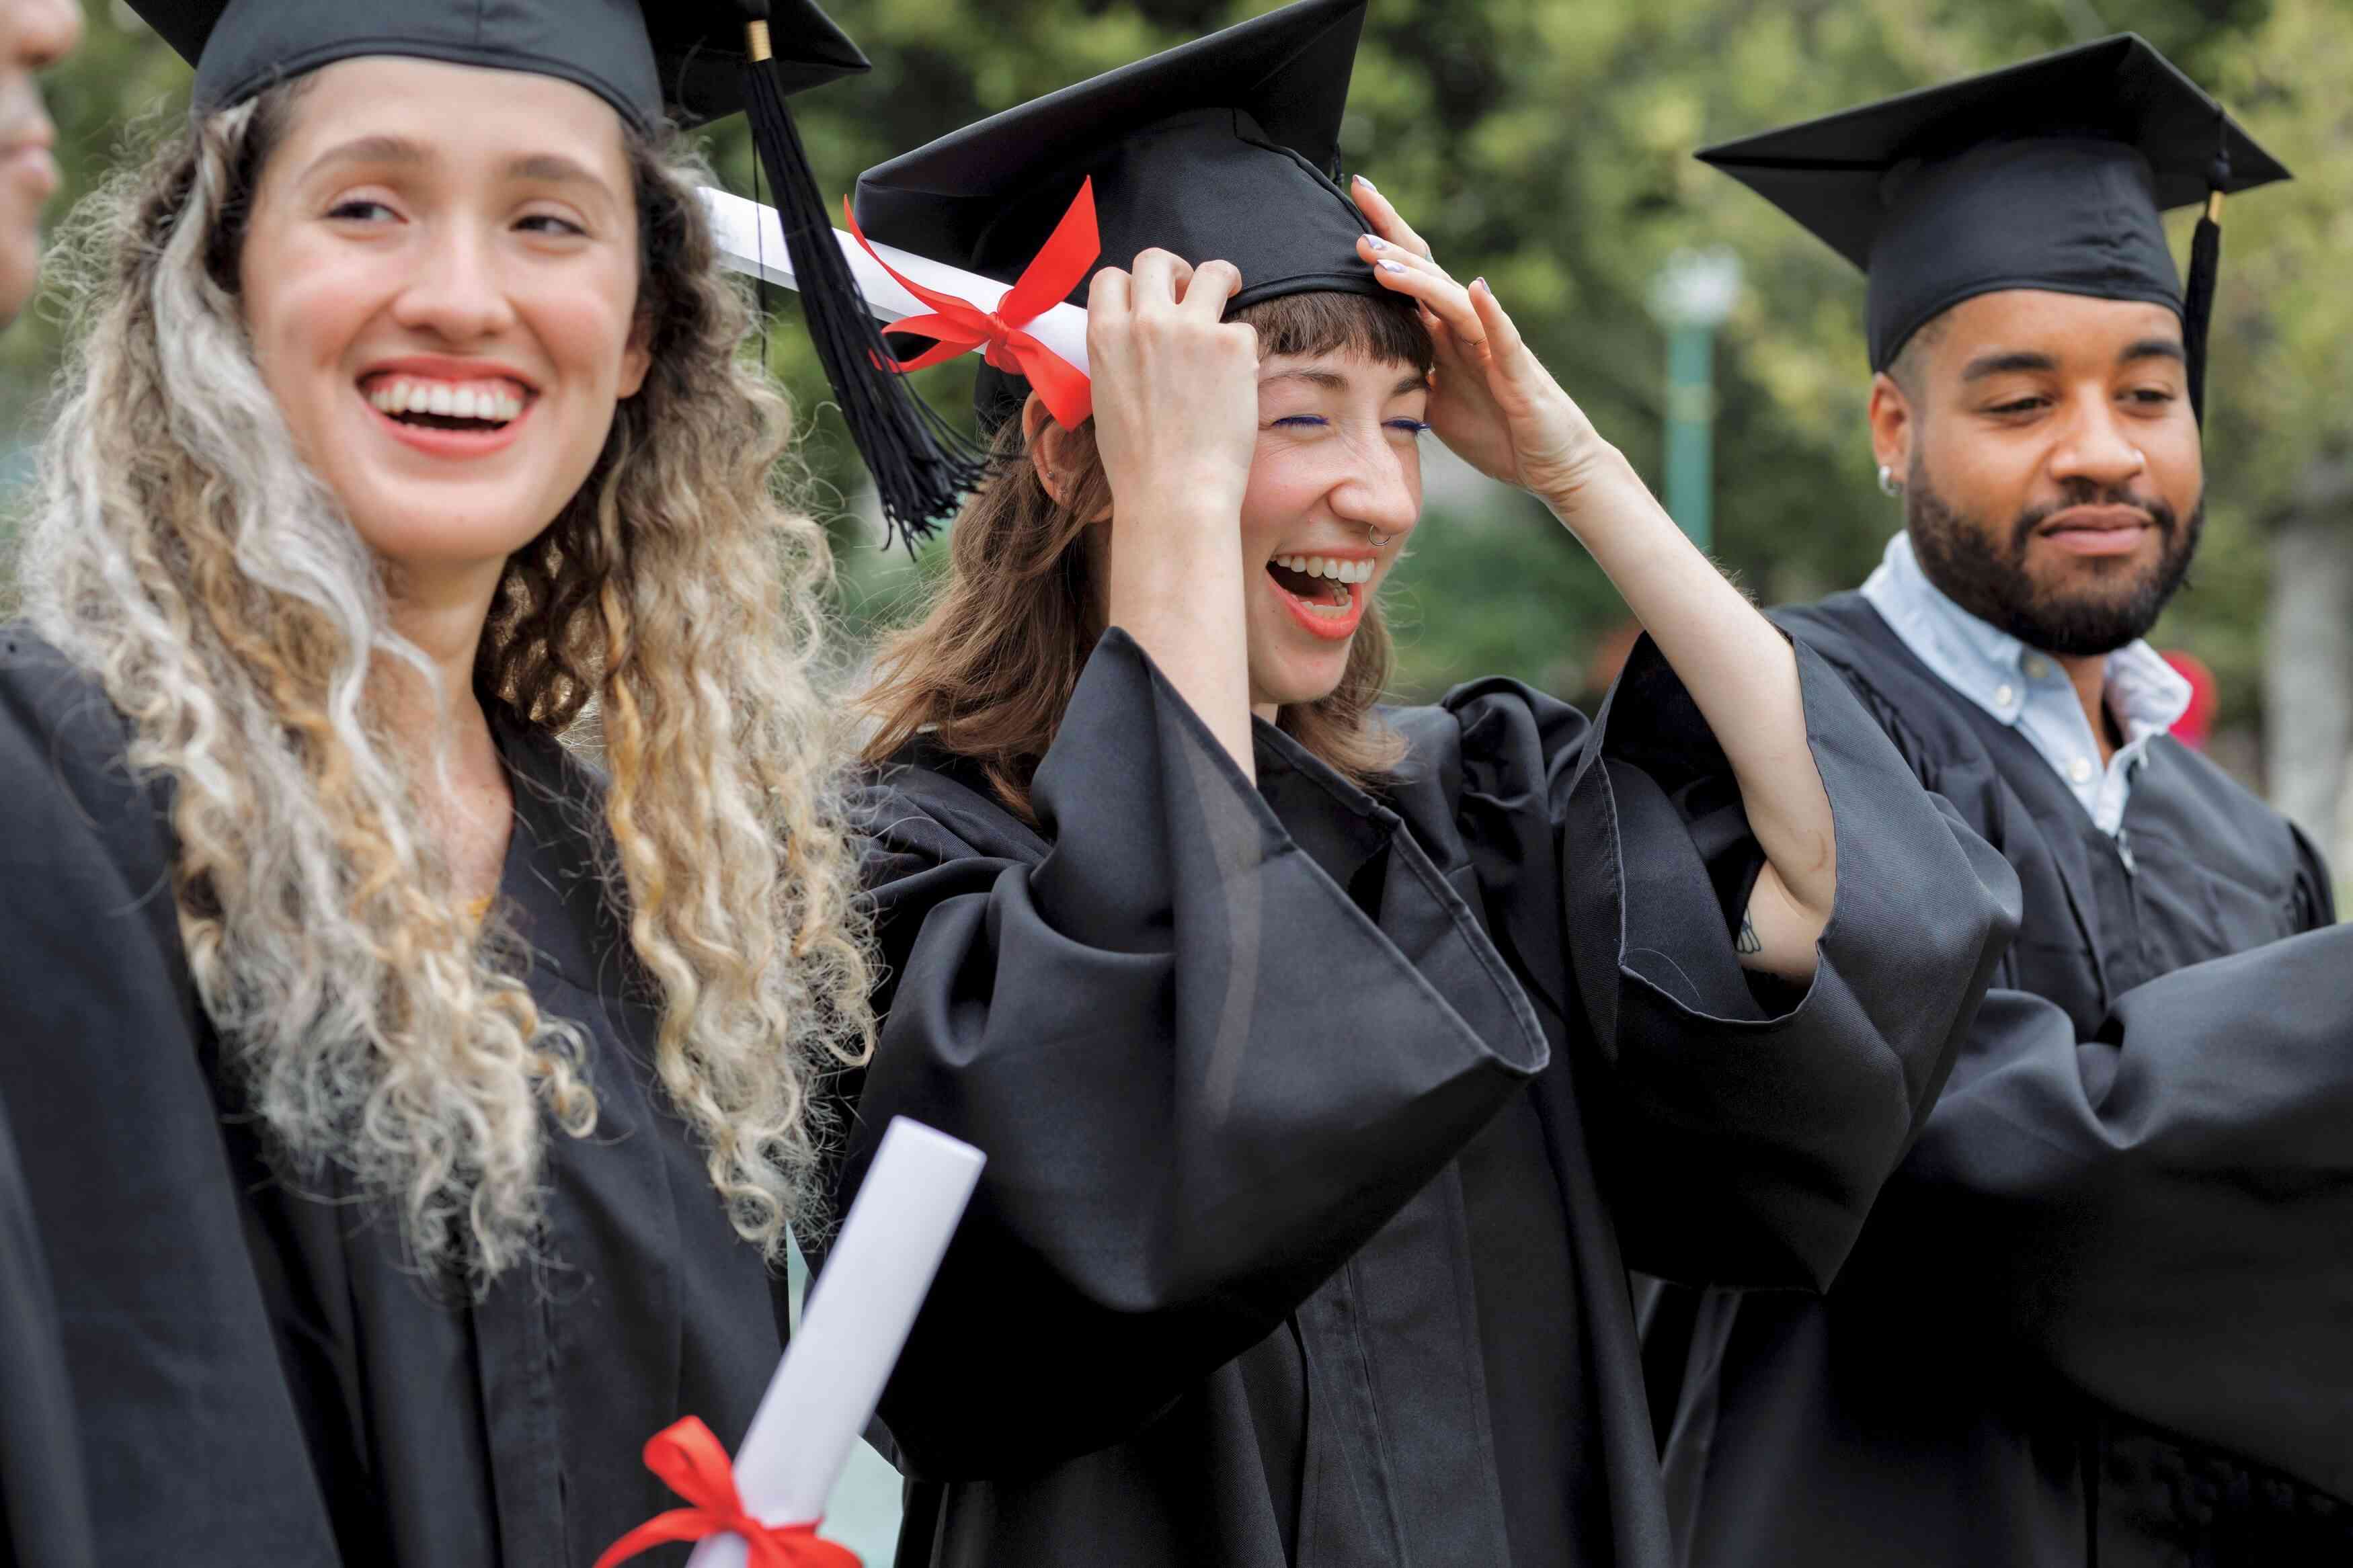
(182, 552)
(990, 666)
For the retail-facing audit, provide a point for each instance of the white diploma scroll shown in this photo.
(857, 1318)
(751, 241)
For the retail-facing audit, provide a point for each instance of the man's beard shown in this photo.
(1988, 576)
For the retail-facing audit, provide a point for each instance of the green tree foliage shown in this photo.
(1547, 145)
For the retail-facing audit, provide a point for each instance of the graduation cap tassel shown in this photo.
(920, 467)
(2198, 293)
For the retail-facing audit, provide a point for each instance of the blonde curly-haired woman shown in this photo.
(413, 1112)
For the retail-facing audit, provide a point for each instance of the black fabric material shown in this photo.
(1529, 1350)
(684, 62)
(2046, 174)
(44, 1502)
(1223, 1294)
(2100, 1313)
(257, 1375)
(1226, 147)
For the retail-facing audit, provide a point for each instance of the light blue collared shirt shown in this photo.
(2028, 690)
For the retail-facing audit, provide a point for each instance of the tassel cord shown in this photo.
(2205, 271)
(921, 466)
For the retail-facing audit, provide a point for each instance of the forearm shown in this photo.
(1744, 678)
(1175, 584)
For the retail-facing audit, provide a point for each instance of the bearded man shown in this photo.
(2105, 1312)
(42, 1517)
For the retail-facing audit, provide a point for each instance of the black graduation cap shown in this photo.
(686, 61)
(2051, 175)
(1226, 147)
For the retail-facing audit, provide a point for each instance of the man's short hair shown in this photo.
(1909, 369)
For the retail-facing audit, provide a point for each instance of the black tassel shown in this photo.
(921, 467)
(2198, 293)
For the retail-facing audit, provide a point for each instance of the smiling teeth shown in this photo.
(491, 402)
(1325, 566)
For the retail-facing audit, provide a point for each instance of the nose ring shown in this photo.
(1375, 538)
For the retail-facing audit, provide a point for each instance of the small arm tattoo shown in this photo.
(1747, 940)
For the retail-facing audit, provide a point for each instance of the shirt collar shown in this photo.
(1987, 664)
(1975, 658)
(2147, 695)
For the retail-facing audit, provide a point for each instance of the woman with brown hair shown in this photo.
(1334, 1062)
(412, 1109)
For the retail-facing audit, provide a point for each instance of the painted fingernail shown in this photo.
(1482, 283)
(1391, 266)
(1369, 185)
(1377, 242)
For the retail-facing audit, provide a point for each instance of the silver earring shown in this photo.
(1887, 482)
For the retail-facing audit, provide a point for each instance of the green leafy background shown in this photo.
(1546, 143)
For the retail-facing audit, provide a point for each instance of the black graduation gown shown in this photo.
(256, 1375)
(2104, 1313)
(1217, 1299)
(43, 1509)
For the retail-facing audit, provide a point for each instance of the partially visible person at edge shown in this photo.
(1333, 1060)
(44, 1518)
(411, 1111)
(2100, 1314)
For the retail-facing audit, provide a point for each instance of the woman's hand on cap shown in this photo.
(1490, 399)
(1175, 386)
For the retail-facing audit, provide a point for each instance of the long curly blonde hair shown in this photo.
(181, 552)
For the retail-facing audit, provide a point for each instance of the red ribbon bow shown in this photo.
(687, 1457)
(960, 325)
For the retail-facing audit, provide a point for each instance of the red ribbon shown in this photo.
(961, 326)
(687, 1457)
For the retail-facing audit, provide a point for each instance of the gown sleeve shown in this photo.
(1202, 1077)
(1741, 1128)
(190, 1442)
(2163, 1213)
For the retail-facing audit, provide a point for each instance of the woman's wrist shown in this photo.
(1601, 491)
(1178, 528)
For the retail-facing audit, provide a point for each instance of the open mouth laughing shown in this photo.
(1321, 590)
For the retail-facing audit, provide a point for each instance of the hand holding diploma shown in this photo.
(826, 1388)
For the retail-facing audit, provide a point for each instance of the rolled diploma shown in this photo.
(857, 1318)
(751, 241)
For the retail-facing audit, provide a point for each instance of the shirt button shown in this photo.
(2003, 696)
(2037, 666)
(2080, 770)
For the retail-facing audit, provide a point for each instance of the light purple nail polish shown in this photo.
(1377, 242)
(1392, 266)
(1369, 185)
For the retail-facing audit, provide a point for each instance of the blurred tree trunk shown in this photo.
(2308, 663)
